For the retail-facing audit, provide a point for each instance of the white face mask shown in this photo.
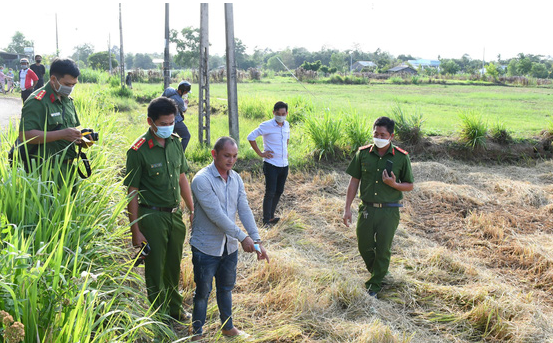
(381, 143)
(280, 119)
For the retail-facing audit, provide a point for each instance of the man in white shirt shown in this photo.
(276, 136)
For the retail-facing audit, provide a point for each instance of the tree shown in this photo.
(524, 65)
(81, 52)
(143, 61)
(100, 60)
(449, 67)
(491, 70)
(539, 70)
(19, 43)
(274, 64)
(129, 61)
(339, 61)
(188, 47)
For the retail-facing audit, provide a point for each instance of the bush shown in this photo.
(299, 108)
(325, 131)
(93, 76)
(358, 130)
(473, 129)
(408, 126)
(500, 134)
(396, 80)
(255, 107)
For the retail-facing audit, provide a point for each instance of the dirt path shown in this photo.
(10, 109)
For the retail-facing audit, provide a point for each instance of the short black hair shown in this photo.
(37, 56)
(387, 122)
(221, 141)
(63, 66)
(161, 106)
(279, 105)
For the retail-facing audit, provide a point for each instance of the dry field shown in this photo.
(472, 262)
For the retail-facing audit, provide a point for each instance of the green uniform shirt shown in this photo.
(155, 170)
(45, 111)
(368, 165)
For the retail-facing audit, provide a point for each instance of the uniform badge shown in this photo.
(138, 143)
(401, 150)
(365, 147)
(55, 114)
(155, 165)
(40, 95)
(52, 98)
(151, 143)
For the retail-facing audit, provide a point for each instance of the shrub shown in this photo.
(358, 130)
(473, 129)
(500, 134)
(299, 108)
(408, 126)
(397, 80)
(325, 132)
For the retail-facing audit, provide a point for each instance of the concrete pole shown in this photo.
(204, 106)
(166, 59)
(232, 92)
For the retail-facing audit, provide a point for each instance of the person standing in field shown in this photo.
(128, 80)
(39, 70)
(380, 193)
(276, 136)
(10, 77)
(219, 195)
(156, 181)
(27, 79)
(182, 105)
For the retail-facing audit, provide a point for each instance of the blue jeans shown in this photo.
(275, 178)
(206, 267)
(182, 131)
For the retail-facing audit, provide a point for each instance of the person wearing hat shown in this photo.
(27, 79)
(39, 70)
(182, 105)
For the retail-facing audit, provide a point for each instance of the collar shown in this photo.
(50, 94)
(152, 141)
(275, 123)
(215, 173)
(391, 150)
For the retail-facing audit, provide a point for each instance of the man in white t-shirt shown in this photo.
(276, 136)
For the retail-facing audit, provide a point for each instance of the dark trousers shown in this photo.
(223, 269)
(182, 131)
(25, 94)
(376, 228)
(275, 178)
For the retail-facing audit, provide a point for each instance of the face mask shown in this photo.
(280, 119)
(38, 61)
(63, 90)
(164, 131)
(24, 66)
(381, 143)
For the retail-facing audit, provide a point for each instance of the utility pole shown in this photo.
(121, 54)
(109, 54)
(204, 131)
(166, 60)
(57, 47)
(232, 91)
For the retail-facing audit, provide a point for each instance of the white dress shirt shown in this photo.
(275, 139)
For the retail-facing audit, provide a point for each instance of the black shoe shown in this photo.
(271, 221)
(372, 294)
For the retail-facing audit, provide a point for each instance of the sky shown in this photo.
(425, 28)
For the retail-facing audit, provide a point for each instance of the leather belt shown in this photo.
(383, 204)
(161, 209)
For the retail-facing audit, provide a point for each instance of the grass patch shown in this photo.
(408, 126)
(474, 129)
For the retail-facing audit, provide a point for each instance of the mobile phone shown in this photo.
(389, 166)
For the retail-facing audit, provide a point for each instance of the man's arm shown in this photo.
(350, 195)
(132, 208)
(247, 219)
(70, 134)
(265, 154)
(186, 194)
(391, 181)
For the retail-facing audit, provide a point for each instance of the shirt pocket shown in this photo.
(158, 175)
(55, 118)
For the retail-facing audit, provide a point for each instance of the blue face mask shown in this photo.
(164, 131)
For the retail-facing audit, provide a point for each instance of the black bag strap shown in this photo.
(86, 163)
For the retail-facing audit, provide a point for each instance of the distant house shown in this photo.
(424, 63)
(402, 69)
(11, 59)
(360, 65)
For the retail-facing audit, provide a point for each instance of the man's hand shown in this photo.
(347, 217)
(247, 245)
(390, 180)
(137, 239)
(267, 154)
(263, 254)
(72, 134)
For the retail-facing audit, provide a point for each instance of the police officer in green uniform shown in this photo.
(156, 181)
(49, 118)
(380, 194)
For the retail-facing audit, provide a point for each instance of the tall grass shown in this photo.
(325, 131)
(357, 129)
(408, 126)
(255, 107)
(64, 271)
(474, 129)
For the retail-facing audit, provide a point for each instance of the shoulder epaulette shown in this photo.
(40, 95)
(401, 150)
(138, 143)
(365, 147)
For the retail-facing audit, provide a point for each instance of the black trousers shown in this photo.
(275, 178)
(25, 94)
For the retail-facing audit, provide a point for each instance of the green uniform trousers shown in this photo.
(165, 233)
(376, 228)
